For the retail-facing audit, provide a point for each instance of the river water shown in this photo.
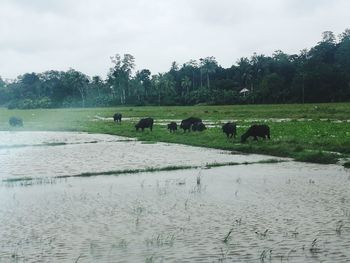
(277, 212)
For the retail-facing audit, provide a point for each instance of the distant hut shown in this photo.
(244, 91)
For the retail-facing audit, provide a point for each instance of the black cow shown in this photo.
(16, 121)
(187, 123)
(230, 129)
(117, 117)
(193, 120)
(172, 126)
(198, 126)
(144, 123)
(256, 131)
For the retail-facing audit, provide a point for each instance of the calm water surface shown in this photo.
(285, 212)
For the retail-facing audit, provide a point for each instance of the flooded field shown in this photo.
(277, 212)
(52, 154)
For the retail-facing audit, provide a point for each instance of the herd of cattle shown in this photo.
(192, 123)
(196, 124)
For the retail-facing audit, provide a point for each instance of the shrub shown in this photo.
(347, 164)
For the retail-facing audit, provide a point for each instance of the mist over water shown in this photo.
(289, 212)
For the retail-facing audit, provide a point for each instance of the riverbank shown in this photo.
(318, 133)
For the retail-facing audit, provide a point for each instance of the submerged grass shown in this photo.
(32, 145)
(212, 165)
(323, 128)
(32, 180)
(131, 171)
(318, 157)
(44, 144)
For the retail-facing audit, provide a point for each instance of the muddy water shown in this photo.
(285, 212)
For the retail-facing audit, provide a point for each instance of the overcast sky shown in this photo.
(40, 35)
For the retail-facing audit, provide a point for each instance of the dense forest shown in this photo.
(321, 74)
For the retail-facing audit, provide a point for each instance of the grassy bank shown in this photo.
(312, 133)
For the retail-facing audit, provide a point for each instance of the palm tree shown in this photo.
(208, 65)
(186, 83)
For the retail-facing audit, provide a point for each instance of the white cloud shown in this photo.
(39, 35)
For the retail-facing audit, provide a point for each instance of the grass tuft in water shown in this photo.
(227, 237)
(27, 181)
(314, 249)
(131, 171)
(212, 165)
(161, 240)
(338, 228)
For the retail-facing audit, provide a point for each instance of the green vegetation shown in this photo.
(323, 130)
(318, 157)
(131, 171)
(321, 74)
(347, 164)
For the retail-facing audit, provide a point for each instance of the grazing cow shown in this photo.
(198, 126)
(172, 126)
(117, 117)
(187, 123)
(16, 121)
(230, 129)
(256, 131)
(144, 123)
(193, 120)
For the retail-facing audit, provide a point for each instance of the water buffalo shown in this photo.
(230, 129)
(198, 126)
(117, 117)
(144, 123)
(187, 123)
(172, 126)
(16, 121)
(256, 131)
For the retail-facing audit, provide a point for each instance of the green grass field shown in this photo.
(312, 132)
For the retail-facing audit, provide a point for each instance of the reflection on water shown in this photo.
(286, 212)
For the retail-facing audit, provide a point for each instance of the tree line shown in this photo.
(320, 74)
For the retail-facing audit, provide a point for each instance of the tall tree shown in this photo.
(208, 65)
(165, 86)
(120, 75)
(79, 81)
(143, 77)
(186, 84)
